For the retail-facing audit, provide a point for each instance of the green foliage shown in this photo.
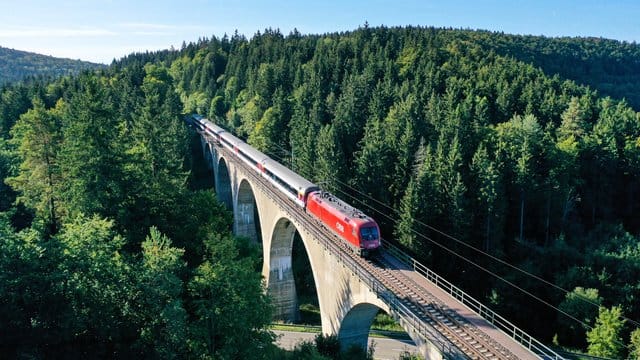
(330, 165)
(580, 304)
(634, 345)
(96, 281)
(8, 168)
(479, 134)
(306, 350)
(489, 196)
(76, 285)
(160, 284)
(14, 101)
(405, 355)
(227, 298)
(217, 107)
(153, 159)
(328, 346)
(38, 139)
(383, 321)
(89, 158)
(28, 292)
(357, 353)
(604, 338)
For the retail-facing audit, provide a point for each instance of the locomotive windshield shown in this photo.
(369, 233)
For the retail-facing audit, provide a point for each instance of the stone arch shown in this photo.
(356, 324)
(223, 184)
(280, 279)
(246, 218)
(281, 284)
(208, 154)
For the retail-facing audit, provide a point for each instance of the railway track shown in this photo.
(468, 340)
(473, 342)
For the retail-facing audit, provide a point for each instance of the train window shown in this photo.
(369, 233)
(279, 181)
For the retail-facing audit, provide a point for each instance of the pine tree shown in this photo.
(418, 204)
(372, 161)
(329, 169)
(157, 147)
(634, 345)
(38, 139)
(519, 140)
(489, 190)
(164, 323)
(91, 154)
(604, 338)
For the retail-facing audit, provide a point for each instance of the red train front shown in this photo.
(358, 229)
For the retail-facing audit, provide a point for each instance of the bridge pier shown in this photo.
(281, 284)
(347, 305)
(222, 182)
(245, 222)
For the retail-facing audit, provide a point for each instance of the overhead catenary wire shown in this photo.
(546, 303)
(510, 283)
(492, 273)
(458, 241)
(359, 200)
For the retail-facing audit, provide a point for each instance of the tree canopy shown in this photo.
(527, 148)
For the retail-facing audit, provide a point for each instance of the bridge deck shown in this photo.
(507, 342)
(442, 299)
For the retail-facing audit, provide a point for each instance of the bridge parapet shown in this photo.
(349, 292)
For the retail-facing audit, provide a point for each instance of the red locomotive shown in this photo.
(358, 229)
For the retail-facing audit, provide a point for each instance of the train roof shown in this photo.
(290, 177)
(285, 174)
(344, 208)
(216, 129)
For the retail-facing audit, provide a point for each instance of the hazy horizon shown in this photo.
(99, 31)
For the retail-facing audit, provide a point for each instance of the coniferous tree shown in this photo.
(634, 343)
(91, 153)
(329, 168)
(518, 145)
(164, 319)
(604, 339)
(38, 138)
(489, 194)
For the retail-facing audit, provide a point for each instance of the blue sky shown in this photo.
(101, 30)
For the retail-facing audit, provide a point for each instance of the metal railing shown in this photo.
(476, 306)
(399, 311)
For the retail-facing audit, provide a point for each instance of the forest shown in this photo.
(508, 164)
(18, 65)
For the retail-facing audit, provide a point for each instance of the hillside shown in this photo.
(16, 65)
(506, 144)
(612, 67)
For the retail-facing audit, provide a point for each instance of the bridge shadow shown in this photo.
(354, 319)
(305, 284)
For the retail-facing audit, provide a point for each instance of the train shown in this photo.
(358, 230)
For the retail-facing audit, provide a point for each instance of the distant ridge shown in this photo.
(16, 65)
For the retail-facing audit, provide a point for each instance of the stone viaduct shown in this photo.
(347, 305)
(349, 297)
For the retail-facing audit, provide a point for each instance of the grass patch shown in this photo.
(294, 327)
(309, 314)
(385, 322)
